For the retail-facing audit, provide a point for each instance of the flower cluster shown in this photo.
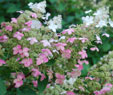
(33, 45)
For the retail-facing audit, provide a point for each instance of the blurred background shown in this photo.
(71, 10)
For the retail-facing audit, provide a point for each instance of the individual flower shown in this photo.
(70, 93)
(9, 28)
(32, 40)
(83, 40)
(34, 15)
(3, 38)
(2, 62)
(47, 52)
(98, 41)
(79, 67)
(18, 35)
(69, 31)
(42, 59)
(60, 46)
(60, 78)
(88, 20)
(83, 54)
(42, 77)
(71, 40)
(13, 20)
(29, 23)
(16, 49)
(35, 83)
(90, 78)
(94, 49)
(38, 7)
(66, 53)
(27, 62)
(46, 43)
(83, 61)
(19, 80)
(35, 72)
(55, 23)
(111, 23)
(105, 34)
(89, 11)
(24, 52)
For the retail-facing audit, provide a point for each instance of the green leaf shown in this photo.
(42, 84)
(2, 88)
(50, 62)
(85, 70)
(106, 46)
(26, 91)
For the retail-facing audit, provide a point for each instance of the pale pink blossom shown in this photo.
(19, 80)
(60, 78)
(9, 28)
(16, 49)
(35, 83)
(28, 23)
(75, 73)
(83, 61)
(2, 62)
(35, 72)
(69, 31)
(98, 41)
(71, 40)
(32, 40)
(3, 24)
(42, 59)
(24, 52)
(47, 52)
(34, 15)
(83, 54)
(79, 67)
(90, 78)
(3, 38)
(105, 34)
(46, 43)
(13, 20)
(26, 29)
(83, 39)
(27, 62)
(18, 35)
(70, 93)
(94, 49)
(42, 77)
(60, 46)
(66, 53)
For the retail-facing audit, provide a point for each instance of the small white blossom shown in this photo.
(62, 37)
(88, 20)
(105, 34)
(111, 23)
(102, 23)
(55, 23)
(36, 24)
(88, 11)
(38, 7)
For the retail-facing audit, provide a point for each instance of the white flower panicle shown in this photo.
(55, 23)
(38, 7)
(100, 18)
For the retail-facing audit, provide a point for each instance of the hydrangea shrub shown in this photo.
(35, 57)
